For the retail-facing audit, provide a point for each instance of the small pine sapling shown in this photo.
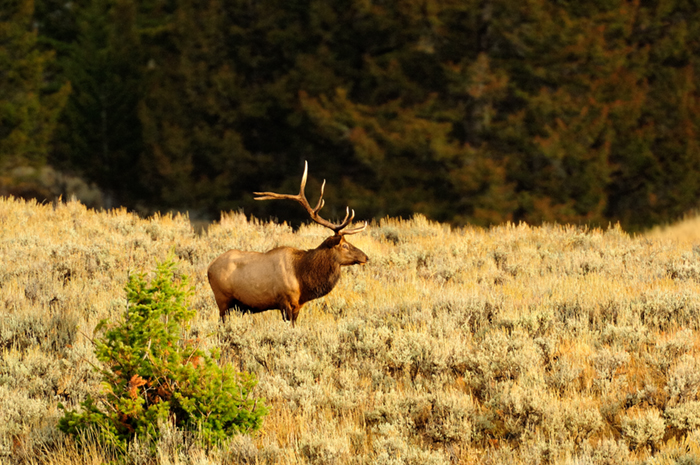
(152, 375)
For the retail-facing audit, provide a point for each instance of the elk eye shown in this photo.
(345, 246)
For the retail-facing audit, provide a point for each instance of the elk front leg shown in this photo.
(295, 314)
(290, 313)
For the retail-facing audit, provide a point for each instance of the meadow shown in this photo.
(509, 345)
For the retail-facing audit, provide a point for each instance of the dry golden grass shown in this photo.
(513, 344)
(687, 230)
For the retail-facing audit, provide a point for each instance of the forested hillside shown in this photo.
(471, 111)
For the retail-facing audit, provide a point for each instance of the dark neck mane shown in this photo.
(318, 272)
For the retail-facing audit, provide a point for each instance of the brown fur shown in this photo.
(283, 278)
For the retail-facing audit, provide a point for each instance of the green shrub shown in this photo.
(151, 375)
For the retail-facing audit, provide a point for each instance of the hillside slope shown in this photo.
(510, 345)
(686, 230)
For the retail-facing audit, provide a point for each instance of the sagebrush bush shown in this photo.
(684, 418)
(151, 376)
(643, 428)
(683, 383)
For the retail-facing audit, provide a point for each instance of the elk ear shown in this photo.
(332, 241)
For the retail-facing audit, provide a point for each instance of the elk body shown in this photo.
(284, 278)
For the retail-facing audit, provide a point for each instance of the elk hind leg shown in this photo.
(224, 304)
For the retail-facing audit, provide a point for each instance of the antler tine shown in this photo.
(348, 217)
(321, 202)
(303, 179)
(354, 230)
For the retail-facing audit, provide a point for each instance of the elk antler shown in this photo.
(301, 198)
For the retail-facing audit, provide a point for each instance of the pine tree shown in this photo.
(27, 110)
(412, 108)
(99, 131)
(574, 86)
(152, 375)
(191, 112)
(655, 172)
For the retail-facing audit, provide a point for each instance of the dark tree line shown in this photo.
(468, 111)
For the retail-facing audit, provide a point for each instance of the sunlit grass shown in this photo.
(686, 230)
(514, 344)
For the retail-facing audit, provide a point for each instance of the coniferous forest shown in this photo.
(466, 111)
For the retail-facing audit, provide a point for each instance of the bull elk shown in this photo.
(285, 278)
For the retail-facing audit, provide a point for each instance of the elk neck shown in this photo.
(318, 271)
